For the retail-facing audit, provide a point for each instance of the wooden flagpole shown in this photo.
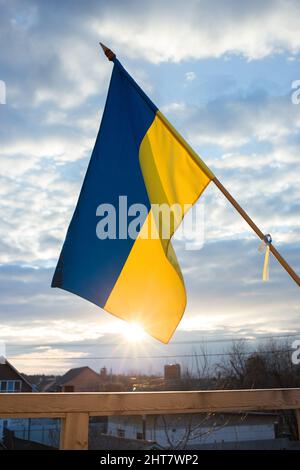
(258, 232)
(266, 238)
(109, 54)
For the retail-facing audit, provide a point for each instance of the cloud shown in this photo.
(190, 76)
(48, 360)
(37, 322)
(176, 31)
(58, 66)
(236, 119)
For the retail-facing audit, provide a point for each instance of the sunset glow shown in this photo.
(133, 333)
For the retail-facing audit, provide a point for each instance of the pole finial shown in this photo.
(109, 54)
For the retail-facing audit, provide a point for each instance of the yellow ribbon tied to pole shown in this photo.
(265, 246)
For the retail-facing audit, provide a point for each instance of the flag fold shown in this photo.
(137, 154)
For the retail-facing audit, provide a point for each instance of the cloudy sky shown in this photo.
(222, 72)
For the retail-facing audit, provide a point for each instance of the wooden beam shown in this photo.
(74, 432)
(32, 415)
(139, 403)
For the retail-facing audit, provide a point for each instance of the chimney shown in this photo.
(103, 373)
(172, 372)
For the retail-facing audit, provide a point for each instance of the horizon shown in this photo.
(138, 359)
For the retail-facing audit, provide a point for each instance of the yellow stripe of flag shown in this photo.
(150, 289)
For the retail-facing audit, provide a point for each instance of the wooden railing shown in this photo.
(75, 408)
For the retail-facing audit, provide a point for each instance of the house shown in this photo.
(183, 430)
(36, 430)
(79, 379)
(46, 431)
(11, 442)
(11, 381)
(107, 442)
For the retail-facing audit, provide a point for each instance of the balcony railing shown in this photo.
(75, 408)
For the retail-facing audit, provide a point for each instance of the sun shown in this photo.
(133, 332)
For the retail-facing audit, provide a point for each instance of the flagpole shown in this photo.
(267, 238)
(258, 232)
(109, 54)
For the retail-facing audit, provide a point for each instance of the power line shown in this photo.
(203, 341)
(249, 353)
(232, 339)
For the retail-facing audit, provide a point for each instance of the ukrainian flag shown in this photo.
(140, 155)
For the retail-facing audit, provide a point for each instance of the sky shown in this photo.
(222, 72)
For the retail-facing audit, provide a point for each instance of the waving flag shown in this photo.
(137, 154)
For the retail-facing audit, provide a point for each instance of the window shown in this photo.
(68, 388)
(3, 385)
(17, 386)
(10, 386)
(120, 432)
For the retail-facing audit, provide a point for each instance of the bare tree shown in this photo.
(195, 428)
(268, 365)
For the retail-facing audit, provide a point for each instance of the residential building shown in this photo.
(182, 430)
(79, 379)
(172, 372)
(11, 381)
